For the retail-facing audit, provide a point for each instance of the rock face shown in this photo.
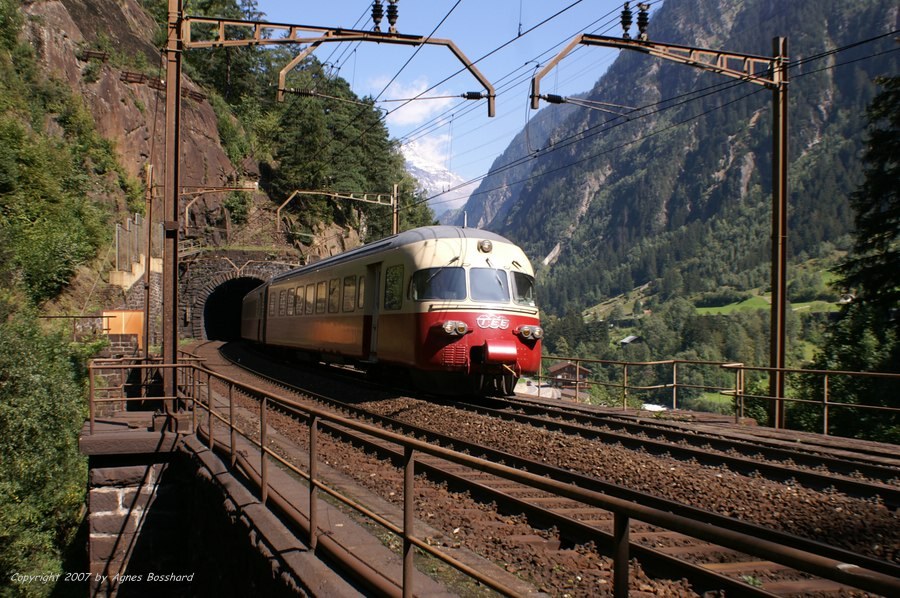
(679, 179)
(130, 114)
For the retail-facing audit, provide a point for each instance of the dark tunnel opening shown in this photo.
(222, 311)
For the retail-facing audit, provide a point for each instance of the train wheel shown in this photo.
(508, 384)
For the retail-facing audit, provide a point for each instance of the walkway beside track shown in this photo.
(166, 516)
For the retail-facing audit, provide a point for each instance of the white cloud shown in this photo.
(415, 112)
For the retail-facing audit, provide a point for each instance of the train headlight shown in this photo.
(485, 246)
(455, 327)
(530, 332)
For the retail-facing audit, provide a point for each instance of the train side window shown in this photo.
(349, 293)
(321, 297)
(290, 301)
(298, 301)
(393, 287)
(361, 293)
(310, 298)
(271, 303)
(523, 293)
(281, 300)
(334, 295)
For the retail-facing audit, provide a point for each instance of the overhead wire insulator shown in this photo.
(552, 98)
(309, 93)
(643, 20)
(626, 20)
(392, 15)
(377, 14)
(473, 95)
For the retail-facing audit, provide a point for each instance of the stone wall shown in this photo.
(199, 277)
(135, 524)
(135, 298)
(177, 523)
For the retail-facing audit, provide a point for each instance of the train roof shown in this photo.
(408, 237)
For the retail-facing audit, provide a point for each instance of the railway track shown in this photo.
(839, 455)
(851, 476)
(660, 552)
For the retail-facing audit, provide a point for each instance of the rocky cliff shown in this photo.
(681, 184)
(103, 49)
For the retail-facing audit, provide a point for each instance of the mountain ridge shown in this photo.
(686, 179)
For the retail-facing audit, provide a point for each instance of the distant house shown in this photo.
(631, 338)
(567, 373)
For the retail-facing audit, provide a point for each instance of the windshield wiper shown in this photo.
(496, 272)
(438, 271)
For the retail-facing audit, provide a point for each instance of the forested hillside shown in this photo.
(73, 135)
(324, 137)
(680, 186)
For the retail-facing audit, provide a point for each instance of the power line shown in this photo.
(578, 137)
(384, 116)
(501, 89)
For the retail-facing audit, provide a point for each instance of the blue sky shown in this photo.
(455, 133)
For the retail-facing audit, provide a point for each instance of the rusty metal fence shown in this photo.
(667, 377)
(668, 381)
(825, 399)
(211, 397)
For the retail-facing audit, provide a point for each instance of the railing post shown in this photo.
(313, 476)
(540, 377)
(91, 396)
(825, 406)
(195, 388)
(577, 376)
(231, 423)
(624, 386)
(620, 563)
(409, 465)
(674, 385)
(263, 462)
(209, 414)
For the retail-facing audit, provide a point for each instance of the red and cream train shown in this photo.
(453, 306)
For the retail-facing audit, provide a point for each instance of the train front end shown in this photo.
(477, 322)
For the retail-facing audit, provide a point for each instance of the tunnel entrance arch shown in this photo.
(222, 309)
(213, 288)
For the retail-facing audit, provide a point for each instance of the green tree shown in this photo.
(336, 141)
(42, 473)
(874, 268)
(866, 337)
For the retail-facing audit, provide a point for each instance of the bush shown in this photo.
(721, 297)
(42, 474)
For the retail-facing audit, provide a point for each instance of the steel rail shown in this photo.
(843, 571)
(566, 477)
(811, 454)
(852, 487)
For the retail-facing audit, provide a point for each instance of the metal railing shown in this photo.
(623, 382)
(827, 400)
(213, 396)
(672, 382)
(85, 326)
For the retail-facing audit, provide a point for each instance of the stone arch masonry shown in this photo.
(201, 276)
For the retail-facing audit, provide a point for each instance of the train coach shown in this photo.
(455, 307)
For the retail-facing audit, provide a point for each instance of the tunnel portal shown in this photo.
(212, 288)
(222, 310)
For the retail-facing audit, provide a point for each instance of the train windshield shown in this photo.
(523, 289)
(439, 283)
(489, 284)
